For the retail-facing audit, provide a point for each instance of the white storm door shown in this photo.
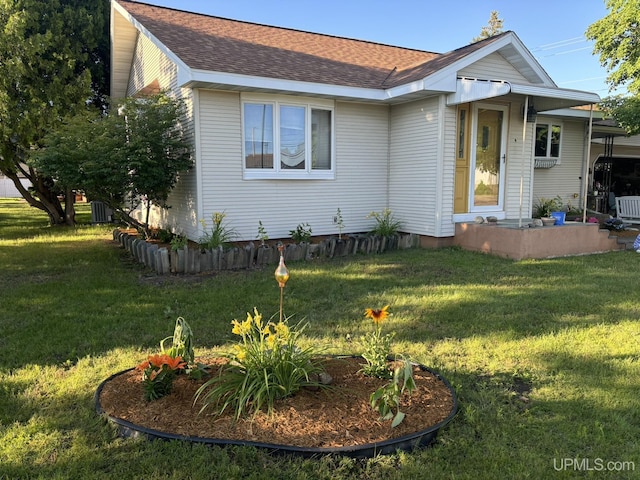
(489, 142)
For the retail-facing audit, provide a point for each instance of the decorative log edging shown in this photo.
(189, 260)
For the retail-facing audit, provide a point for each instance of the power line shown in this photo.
(567, 51)
(559, 44)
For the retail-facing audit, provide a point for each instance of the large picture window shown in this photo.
(286, 139)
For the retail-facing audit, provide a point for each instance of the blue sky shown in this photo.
(553, 31)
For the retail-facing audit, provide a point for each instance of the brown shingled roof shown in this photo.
(222, 45)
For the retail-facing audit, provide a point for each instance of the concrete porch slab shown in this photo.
(507, 239)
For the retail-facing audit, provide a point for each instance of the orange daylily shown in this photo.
(143, 366)
(377, 315)
(158, 360)
(175, 363)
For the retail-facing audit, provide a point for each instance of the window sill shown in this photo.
(250, 175)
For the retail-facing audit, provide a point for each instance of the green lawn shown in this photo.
(544, 355)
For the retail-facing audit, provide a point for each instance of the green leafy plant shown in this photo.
(544, 206)
(386, 224)
(220, 235)
(340, 223)
(386, 399)
(158, 372)
(178, 242)
(264, 366)
(376, 346)
(181, 342)
(262, 233)
(301, 234)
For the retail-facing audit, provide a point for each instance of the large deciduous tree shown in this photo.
(48, 50)
(617, 41)
(128, 159)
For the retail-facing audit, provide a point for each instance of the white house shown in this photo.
(289, 126)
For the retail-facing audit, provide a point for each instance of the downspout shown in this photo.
(585, 176)
(524, 136)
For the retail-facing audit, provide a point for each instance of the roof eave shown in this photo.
(194, 78)
(117, 89)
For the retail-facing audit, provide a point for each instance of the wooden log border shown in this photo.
(189, 260)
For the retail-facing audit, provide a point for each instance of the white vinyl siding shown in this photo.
(414, 171)
(564, 178)
(149, 65)
(515, 170)
(447, 227)
(120, 47)
(493, 67)
(359, 186)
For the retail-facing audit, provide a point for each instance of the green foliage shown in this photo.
(125, 160)
(616, 42)
(625, 111)
(493, 27)
(376, 347)
(265, 366)
(386, 399)
(262, 233)
(302, 233)
(544, 206)
(483, 189)
(48, 51)
(158, 373)
(340, 223)
(386, 224)
(220, 235)
(181, 342)
(178, 242)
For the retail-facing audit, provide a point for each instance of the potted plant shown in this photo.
(544, 208)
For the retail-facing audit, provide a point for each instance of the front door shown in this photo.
(488, 155)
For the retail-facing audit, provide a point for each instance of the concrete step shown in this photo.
(625, 242)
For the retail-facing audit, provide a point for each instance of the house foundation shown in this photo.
(512, 241)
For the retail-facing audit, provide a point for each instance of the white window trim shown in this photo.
(549, 123)
(276, 173)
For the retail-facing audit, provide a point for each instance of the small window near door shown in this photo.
(548, 140)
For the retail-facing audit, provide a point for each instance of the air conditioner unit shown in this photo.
(100, 213)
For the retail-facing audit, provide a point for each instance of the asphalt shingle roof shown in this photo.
(222, 45)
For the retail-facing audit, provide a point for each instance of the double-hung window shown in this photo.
(287, 138)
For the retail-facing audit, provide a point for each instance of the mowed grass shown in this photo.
(544, 355)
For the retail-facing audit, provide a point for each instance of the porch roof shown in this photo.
(542, 98)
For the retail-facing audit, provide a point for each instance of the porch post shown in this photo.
(524, 135)
(585, 188)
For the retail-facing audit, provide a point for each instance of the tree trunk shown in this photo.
(69, 207)
(45, 199)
